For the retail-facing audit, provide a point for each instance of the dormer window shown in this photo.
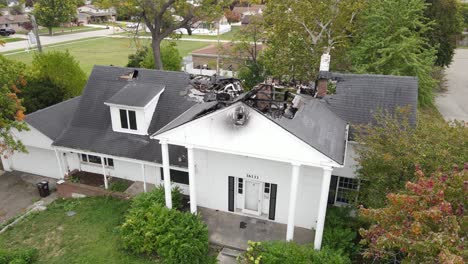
(128, 119)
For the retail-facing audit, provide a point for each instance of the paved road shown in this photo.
(47, 40)
(453, 104)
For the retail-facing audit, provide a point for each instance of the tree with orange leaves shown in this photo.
(426, 223)
(11, 110)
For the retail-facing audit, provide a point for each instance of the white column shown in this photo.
(144, 176)
(191, 170)
(322, 210)
(59, 164)
(167, 175)
(292, 201)
(106, 185)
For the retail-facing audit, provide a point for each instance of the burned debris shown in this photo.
(272, 97)
(213, 88)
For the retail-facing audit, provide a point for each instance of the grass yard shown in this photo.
(10, 39)
(227, 36)
(103, 51)
(67, 30)
(90, 236)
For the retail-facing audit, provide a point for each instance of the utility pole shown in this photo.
(36, 33)
(218, 50)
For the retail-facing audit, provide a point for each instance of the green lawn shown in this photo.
(67, 30)
(227, 36)
(6, 40)
(103, 51)
(90, 236)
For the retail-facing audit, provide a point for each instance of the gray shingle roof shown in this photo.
(359, 96)
(52, 120)
(91, 128)
(136, 93)
(317, 126)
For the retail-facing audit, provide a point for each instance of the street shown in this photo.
(453, 104)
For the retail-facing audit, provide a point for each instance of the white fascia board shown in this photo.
(125, 106)
(163, 137)
(118, 158)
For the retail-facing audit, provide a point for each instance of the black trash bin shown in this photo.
(43, 188)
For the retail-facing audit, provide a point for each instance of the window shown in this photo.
(97, 160)
(267, 188)
(109, 162)
(346, 190)
(128, 119)
(240, 185)
(123, 119)
(132, 117)
(177, 176)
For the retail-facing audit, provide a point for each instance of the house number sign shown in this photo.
(252, 176)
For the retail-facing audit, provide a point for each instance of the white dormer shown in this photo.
(132, 108)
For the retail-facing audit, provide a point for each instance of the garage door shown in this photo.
(37, 161)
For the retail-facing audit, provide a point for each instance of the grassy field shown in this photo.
(104, 51)
(90, 236)
(6, 40)
(67, 30)
(227, 36)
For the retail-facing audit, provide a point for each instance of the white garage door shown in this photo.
(37, 161)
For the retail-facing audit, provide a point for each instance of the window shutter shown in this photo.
(231, 194)
(272, 211)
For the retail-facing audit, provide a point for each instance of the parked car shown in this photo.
(7, 32)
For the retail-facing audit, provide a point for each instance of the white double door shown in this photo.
(253, 197)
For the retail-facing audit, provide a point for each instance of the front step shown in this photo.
(228, 256)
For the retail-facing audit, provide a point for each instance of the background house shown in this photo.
(89, 14)
(15, 22)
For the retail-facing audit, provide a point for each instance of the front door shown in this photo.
(252, 197)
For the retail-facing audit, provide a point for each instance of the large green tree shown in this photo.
(391, 41)
(448, 23)
(390, 149)
(143, 57)
(52, 13)
(11, 110)
(299, 32)
(54, 77)
(163, 17)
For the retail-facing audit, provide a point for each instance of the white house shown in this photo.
(263, 154)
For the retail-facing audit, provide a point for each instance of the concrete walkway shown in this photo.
(234, 231)
(453, 104)
(18, 191)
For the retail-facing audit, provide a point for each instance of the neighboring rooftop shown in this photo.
(8, 19)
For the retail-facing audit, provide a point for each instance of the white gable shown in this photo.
(258, 137)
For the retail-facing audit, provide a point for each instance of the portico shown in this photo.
(235, 170)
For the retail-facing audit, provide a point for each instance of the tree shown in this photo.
(144, 58)
(447, 26)
(299, 32)
(464, 13)
(11, 110)
(232, 17)
(16, 10)
(426, 223)
(52, 13)
(163, 17)
(55, 76)
(391, 41)
(246, 52)
(389, 149)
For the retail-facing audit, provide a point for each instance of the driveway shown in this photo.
(17, 192)
(453, 104)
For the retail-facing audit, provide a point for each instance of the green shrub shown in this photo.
(25, 256)
(279, 252)
(156, 196)
(341, 231)
(175, 236)
(118, 186)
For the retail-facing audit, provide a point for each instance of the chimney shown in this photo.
(322, 81)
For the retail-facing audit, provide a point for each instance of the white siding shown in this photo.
(213, 168)
(350, 165)
(37, 161)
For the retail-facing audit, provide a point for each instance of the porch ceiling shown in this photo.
(225, 229)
